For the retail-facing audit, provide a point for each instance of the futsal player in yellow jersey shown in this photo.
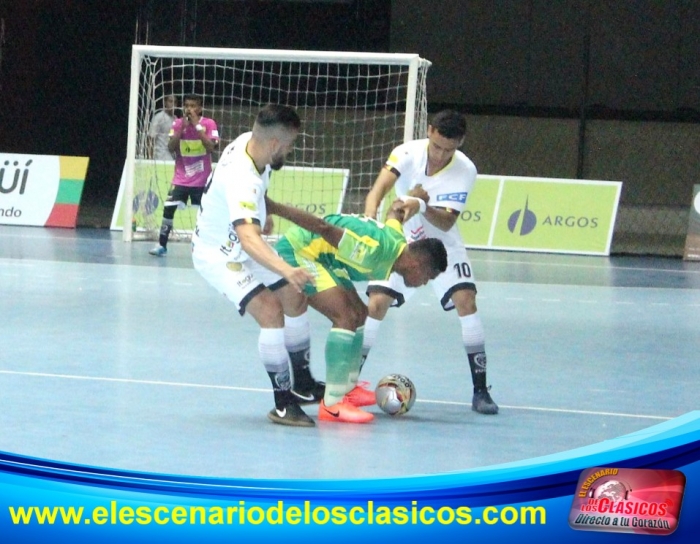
(337, 251)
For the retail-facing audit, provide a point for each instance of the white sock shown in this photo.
(371, 329)
(273, 355)
(297, 332)
(473, 336)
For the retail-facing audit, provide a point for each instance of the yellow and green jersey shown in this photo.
(367, 250)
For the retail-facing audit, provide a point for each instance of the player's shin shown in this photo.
(473, 339)
(339, 356)
(354, 373)
(305, 388)
(274, 357)
(297, 339)
(370, 334)
(165, 229)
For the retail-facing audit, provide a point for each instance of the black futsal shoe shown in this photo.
(483, 403)
(309, 393)
(290, 414)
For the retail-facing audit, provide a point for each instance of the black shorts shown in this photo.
(181, 193)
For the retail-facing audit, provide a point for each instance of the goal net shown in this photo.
(354, 107)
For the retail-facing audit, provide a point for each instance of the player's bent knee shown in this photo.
(349, 318)
(293, 302)
(358, 315)
(378, 305)
(266, 309)
(465, 302)
(362, 315)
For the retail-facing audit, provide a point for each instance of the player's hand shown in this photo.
(405, 210)
(298, 278)
(419, 192)
(269, 226)
(371, 211)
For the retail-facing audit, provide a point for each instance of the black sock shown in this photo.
(165, 229)
(477, 365)
(280, 388)
(300, 368)
(363, 359)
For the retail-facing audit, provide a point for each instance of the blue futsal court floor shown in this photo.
(112, 358)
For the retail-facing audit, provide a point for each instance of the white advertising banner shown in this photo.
(40, 190)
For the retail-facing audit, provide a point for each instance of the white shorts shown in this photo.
(239, 282)
(458, 276)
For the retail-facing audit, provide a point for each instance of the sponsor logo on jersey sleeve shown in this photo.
(391, 162)
(452, 197)
(252, 206)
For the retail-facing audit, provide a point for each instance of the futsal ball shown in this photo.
(395, 394)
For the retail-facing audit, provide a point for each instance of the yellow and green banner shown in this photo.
(317, 190)
(541, 215)
(505, 213)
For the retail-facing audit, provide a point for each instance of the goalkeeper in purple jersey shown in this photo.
(337, 251)
(192, 140)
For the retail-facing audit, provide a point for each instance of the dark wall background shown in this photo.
(619, 55)
(64, 69)
(64, 64)
(65, 77)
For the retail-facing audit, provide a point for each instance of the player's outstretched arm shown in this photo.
(382, 185)
(330, 233)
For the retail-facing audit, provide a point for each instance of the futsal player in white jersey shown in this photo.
(228, 250)
(436, 171)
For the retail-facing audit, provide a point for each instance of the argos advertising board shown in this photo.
(41, 190)
(541, 215)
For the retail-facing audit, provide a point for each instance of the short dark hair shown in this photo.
(278, 115)
(450, 124)
(194, 98)
(433, 251)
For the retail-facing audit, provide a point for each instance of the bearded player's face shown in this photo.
(282, 148)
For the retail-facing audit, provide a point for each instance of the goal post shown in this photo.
(354, 107)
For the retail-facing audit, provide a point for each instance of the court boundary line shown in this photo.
(261, 390)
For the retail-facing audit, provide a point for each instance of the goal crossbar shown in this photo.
(343, 57)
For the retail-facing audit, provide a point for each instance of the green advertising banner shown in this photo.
(539, 215)
(476, 220)
(566, 216)
(317, 190)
